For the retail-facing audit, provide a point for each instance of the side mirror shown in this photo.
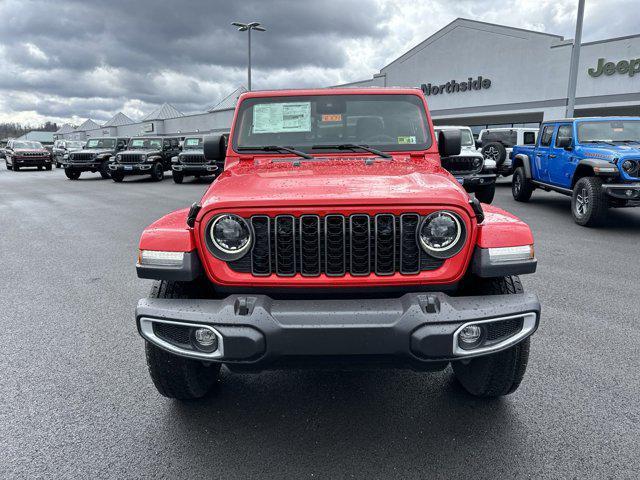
(478, 143)
(449, 143)
(214, 147)
(564, 142)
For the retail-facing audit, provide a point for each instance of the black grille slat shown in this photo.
(335, 245)
(409, 248)
(81, 157)
(385, 244)
(285, 243)
(261, 252)
(461, 165)
(192, 158)
(310, 260)
(360, 243)
(130, 158)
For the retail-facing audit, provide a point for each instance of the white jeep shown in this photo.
(497, 144)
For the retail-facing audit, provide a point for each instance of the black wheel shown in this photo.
(58, 165)
(9, 167)
(500, 373)
(104, 170)
(157, 172)
(39, 167)
(588, 203)
(178, 177)
(117, 176)
(173, 376)
(521, 186)
(72, 174)
(485, 194)
(16, 168)
(495, 151)
(47, 167)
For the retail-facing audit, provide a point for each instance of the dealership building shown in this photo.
(472, 73)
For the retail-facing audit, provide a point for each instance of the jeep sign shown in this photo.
(623, 67)
(454, 87)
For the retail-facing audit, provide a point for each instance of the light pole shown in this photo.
(247, 27)
(575, 59)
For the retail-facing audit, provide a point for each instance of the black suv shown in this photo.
(145, 156)
(191, 161)
(62, 148)
(94, 157)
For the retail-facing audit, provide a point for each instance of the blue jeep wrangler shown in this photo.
(595, 160)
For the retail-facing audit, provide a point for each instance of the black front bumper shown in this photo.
(627, 192)
(195, 169)
(132, 169)
(476, 180)
(31, 162)
(416, 330)
(83, 167)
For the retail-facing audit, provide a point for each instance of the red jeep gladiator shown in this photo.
(334, 238)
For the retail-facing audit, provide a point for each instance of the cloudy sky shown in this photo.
(66, 60)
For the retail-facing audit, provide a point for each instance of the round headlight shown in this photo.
(442, 234)
(143, 157)
(118, 157)
(477, 162)
(230, 236)
(628, 166)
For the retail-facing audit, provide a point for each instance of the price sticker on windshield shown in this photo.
(336, 117)
(406, 140)
(282, 117)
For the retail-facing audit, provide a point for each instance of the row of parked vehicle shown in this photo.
(117, 157)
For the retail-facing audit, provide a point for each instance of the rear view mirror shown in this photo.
(449, 143)
(214, 147)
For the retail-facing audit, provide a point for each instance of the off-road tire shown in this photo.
(588, 202)
(47, 167)
(157, 172)
(117, 176)
(72, 174)
(521, 186)
(486, 193)
(495, 151)
(500, 373)
(16, 168)
(178, 177)
(104, 170)
(173, 376)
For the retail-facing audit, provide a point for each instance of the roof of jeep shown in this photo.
(331, 91)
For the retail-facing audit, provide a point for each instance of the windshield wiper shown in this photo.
(278, 148)
(353, 146)
(601, 141)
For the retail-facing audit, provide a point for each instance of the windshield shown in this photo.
(467, 138)
(192, 143)
(145, 143)
(609, 131)
(386, 122)
(101, 143)
(75, 144)
(34, 145)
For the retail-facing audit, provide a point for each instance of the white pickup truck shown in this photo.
(497, 144)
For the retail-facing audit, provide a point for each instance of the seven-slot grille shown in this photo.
(32, 154)
(461, 164)
(191, 158)
(130, 158)
(81, 157)
(335, 245)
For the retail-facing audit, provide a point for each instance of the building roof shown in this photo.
(229, 102)
(164, 112)
(44, 137)
(88, 124)
(118, 119)
(66, 128)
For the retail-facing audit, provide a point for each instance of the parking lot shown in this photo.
(78, 401)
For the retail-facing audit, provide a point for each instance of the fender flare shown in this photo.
(526, 163)
(592, 166)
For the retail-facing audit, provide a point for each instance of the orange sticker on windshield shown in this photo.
(336, 117)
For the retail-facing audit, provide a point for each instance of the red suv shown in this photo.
(335, 238)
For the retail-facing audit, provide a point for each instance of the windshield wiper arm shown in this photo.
(353, 146)
(278, 148)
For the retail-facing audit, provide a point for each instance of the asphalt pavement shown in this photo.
(77, 401)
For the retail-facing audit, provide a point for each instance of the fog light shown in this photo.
(511, 254)
(629, 193)
(470, 336)
(205, 339)
(166, 259)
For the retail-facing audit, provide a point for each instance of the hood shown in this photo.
(609, 152)
(336, 181)
(92, 150)
(140, 151)
(192, 151)
(31, 150)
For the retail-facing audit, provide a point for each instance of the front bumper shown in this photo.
(32, 162)
(624, 191)
(191, 169)
(83, 167)
(416, 330)
(471, 182)
(134, 168)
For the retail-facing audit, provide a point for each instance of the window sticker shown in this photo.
(192, 142)
(282, 117)
(332, 117)
(405, 140)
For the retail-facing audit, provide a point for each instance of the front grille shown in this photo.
(191, 158)
(335, 245)
(130, 158)
(461, 164)
(172, 333)
(32, 154)
(81, 157)
(503, 329)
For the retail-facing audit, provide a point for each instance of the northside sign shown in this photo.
(453, 86)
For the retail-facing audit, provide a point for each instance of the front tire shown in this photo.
(521, 186)
(588, 202)
(485, 194)
(157, 172)
(178, 177)
(104, 170)
(500, 373)
(47, 167)
(117, 176)
(174, 376)
(72, 174)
